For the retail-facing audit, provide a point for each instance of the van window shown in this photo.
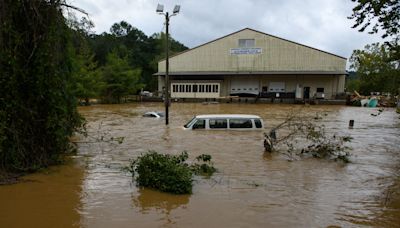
(218, 123)
(257, 122)
(200, 124)
(240, 123)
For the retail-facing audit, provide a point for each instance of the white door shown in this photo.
(276, 87)
(245, 85)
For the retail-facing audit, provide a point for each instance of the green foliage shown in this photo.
(139, 50)
(352, 82)
(37, 107)
(380, 14)
(86, 76)
(376, 69)
(205, 168)
(169, 173)
(119, 79)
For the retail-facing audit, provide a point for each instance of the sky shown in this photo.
(321, 24)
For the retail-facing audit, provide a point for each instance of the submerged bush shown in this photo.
(206, 167)
(168, 173)
(302, 136)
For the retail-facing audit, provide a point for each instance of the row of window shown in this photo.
(223, 123)
(190, 88)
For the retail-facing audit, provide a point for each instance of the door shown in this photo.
(245, 86)
(306, 94)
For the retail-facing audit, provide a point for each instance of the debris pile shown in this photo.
(372, 101)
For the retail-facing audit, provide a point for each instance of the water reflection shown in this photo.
(50, 199)
(148, 199)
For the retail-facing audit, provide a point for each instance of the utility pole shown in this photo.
(160, 10)
(167, 94)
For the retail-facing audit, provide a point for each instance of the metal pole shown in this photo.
(166, 69)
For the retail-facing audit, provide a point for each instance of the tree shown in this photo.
(37, 108)
(86, 76)
(382, 14)
(119, 79)
(377, 73)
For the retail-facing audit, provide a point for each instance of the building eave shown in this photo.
(232, 73)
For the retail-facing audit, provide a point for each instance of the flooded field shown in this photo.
(251, 188)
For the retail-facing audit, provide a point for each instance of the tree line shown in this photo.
(112, 65)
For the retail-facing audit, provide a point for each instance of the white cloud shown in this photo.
(322, 24)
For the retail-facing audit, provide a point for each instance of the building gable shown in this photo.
(249, 50)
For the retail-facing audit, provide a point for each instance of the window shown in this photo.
(181, 88)
(320, 90)
(240, 123)
(247, 43)
(215, 88)
(218, 123)
(257, 122)
(174, 88)
(201, 88)
(194, 88)
(200, 124)
(188, 88)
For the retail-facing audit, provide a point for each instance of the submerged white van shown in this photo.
(225, 122)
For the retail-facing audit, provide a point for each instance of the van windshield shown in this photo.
(189, 123)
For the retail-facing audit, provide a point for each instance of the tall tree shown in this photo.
(37, 109)
(119, 79)
(86, 82)
(376, 71)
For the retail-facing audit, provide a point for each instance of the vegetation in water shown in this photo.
(204, 167)
(303, 136)
(169, 173)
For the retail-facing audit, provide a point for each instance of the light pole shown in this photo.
(160, 10)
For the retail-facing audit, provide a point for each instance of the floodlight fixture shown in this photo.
(176, 9)
(160, 8)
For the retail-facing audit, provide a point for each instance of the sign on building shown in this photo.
(245, 51)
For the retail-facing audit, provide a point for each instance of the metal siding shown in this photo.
(277, 55)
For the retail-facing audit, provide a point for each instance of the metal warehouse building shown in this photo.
(253, 63)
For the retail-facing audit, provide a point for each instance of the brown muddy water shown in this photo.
(251, 188)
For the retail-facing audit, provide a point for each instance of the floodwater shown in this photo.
(250, 189)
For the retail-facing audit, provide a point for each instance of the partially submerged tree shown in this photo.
(301, 136)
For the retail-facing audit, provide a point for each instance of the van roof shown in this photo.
(228, 116)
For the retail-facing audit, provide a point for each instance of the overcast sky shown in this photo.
(322, 24)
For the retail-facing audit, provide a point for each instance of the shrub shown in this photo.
(167, 173)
